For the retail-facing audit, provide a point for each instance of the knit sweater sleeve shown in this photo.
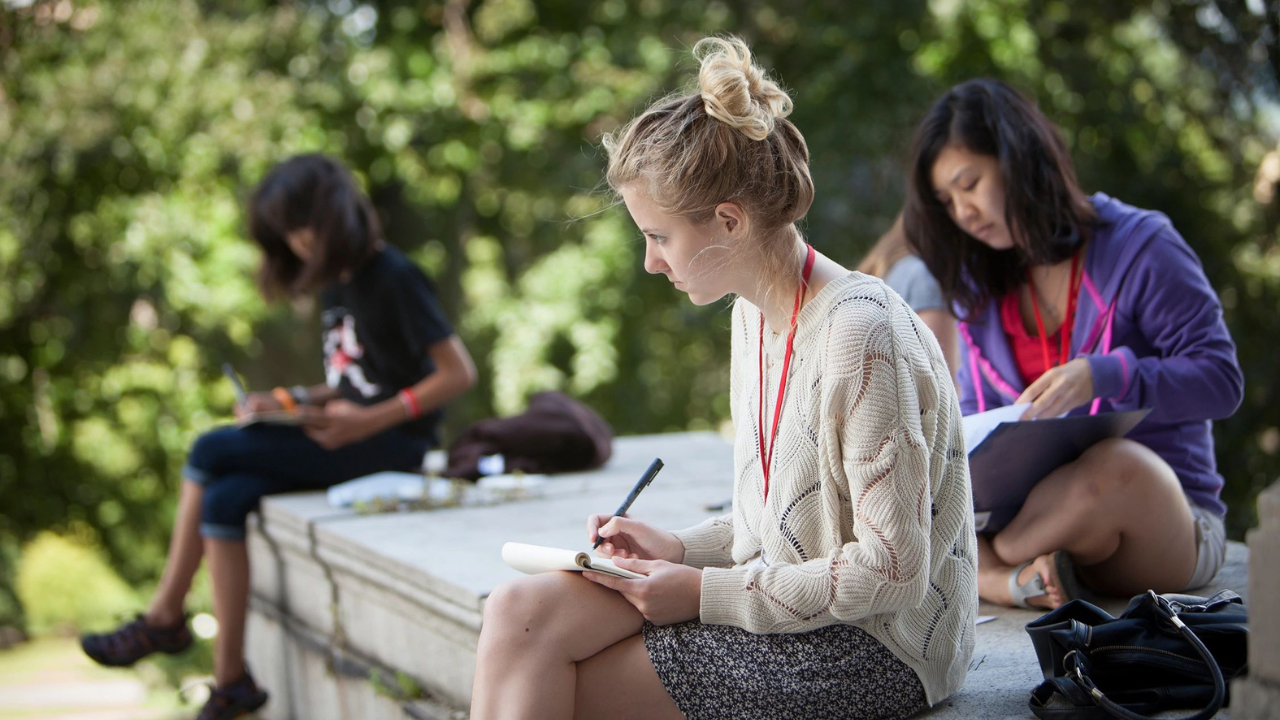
(871, 423)
(709, 543)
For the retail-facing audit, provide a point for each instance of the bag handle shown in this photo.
(1077, 665)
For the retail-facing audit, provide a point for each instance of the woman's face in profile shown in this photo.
(969, 186)
(301, 242)
(686, 253)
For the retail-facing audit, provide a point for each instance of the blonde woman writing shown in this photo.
(843, 582)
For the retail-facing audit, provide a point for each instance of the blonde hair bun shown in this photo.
(735, 91)
(729, 141)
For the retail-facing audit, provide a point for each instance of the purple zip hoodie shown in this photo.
(1151, 327)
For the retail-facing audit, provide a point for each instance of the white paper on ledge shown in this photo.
(389, 486)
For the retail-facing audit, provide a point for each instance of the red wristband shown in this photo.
(410, 404)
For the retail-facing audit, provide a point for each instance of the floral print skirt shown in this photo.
(839, 671)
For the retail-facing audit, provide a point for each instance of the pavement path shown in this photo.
(50, 679)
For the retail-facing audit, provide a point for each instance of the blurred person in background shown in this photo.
(391, 362)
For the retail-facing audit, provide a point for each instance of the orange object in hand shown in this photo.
(283, 397)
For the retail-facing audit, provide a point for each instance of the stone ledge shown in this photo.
(1264, 546)
(312, 678)
(1269, 507)
(1255, 700)
(403, 592)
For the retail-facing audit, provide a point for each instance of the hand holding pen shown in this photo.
(249, 403)
(619, 536)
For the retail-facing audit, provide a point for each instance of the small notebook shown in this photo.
(534, 559)
(1007, 456)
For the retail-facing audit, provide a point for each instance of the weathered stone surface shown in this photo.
(1264, 620)
(1269, 507)
(308, 679)
(1258, 696)
(404, 592)
(1253, 699)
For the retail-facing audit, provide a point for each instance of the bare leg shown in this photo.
(229, 571)
(1121, 514)
(619, 683)
(185, 551)
(536, 630)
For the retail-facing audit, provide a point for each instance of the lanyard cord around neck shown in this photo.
(1064, 344)
(766, 453)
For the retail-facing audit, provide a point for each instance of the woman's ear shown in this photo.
(732, 220)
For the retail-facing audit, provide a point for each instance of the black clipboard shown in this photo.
(1016, 455)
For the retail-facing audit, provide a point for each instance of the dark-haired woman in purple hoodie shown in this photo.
(1076, 304)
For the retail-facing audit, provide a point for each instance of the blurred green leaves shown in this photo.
(128, 133)
(131, 133)
(64, 584)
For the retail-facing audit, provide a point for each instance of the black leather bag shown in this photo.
(1164, 652)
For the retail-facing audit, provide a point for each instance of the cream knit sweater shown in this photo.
(869, 519)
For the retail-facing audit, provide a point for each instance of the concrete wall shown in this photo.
(1258, 696)
(323, 623)
(339, 596)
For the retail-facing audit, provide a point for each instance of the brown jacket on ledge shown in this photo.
(555, 434)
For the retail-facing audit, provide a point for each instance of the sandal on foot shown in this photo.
(1029, 589)
(233, 699)
(1068, 582)
(135, 640)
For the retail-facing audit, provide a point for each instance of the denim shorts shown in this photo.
(238, 466)
(1211, 546)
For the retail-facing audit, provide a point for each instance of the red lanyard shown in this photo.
(766, 453)
(1064, 330)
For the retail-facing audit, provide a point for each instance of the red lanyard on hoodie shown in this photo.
(1064, 345)
(766, 453)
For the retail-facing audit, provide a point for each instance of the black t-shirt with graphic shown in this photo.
(378, 327)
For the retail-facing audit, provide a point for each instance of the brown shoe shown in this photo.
(233, 700)
(135, 640)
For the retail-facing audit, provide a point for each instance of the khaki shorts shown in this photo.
(1211, 546)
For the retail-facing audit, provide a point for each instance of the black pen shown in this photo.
(242, 397)
(644, 481)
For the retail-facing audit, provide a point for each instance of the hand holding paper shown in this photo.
(1059, 391)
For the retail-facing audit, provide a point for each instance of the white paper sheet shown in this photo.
(977, 427)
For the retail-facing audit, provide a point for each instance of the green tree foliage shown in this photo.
(130, 133)
(66, 584)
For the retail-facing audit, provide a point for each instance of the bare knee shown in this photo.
(1098, 494)
(1116, 469)
(514, 604)
(521, 614)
